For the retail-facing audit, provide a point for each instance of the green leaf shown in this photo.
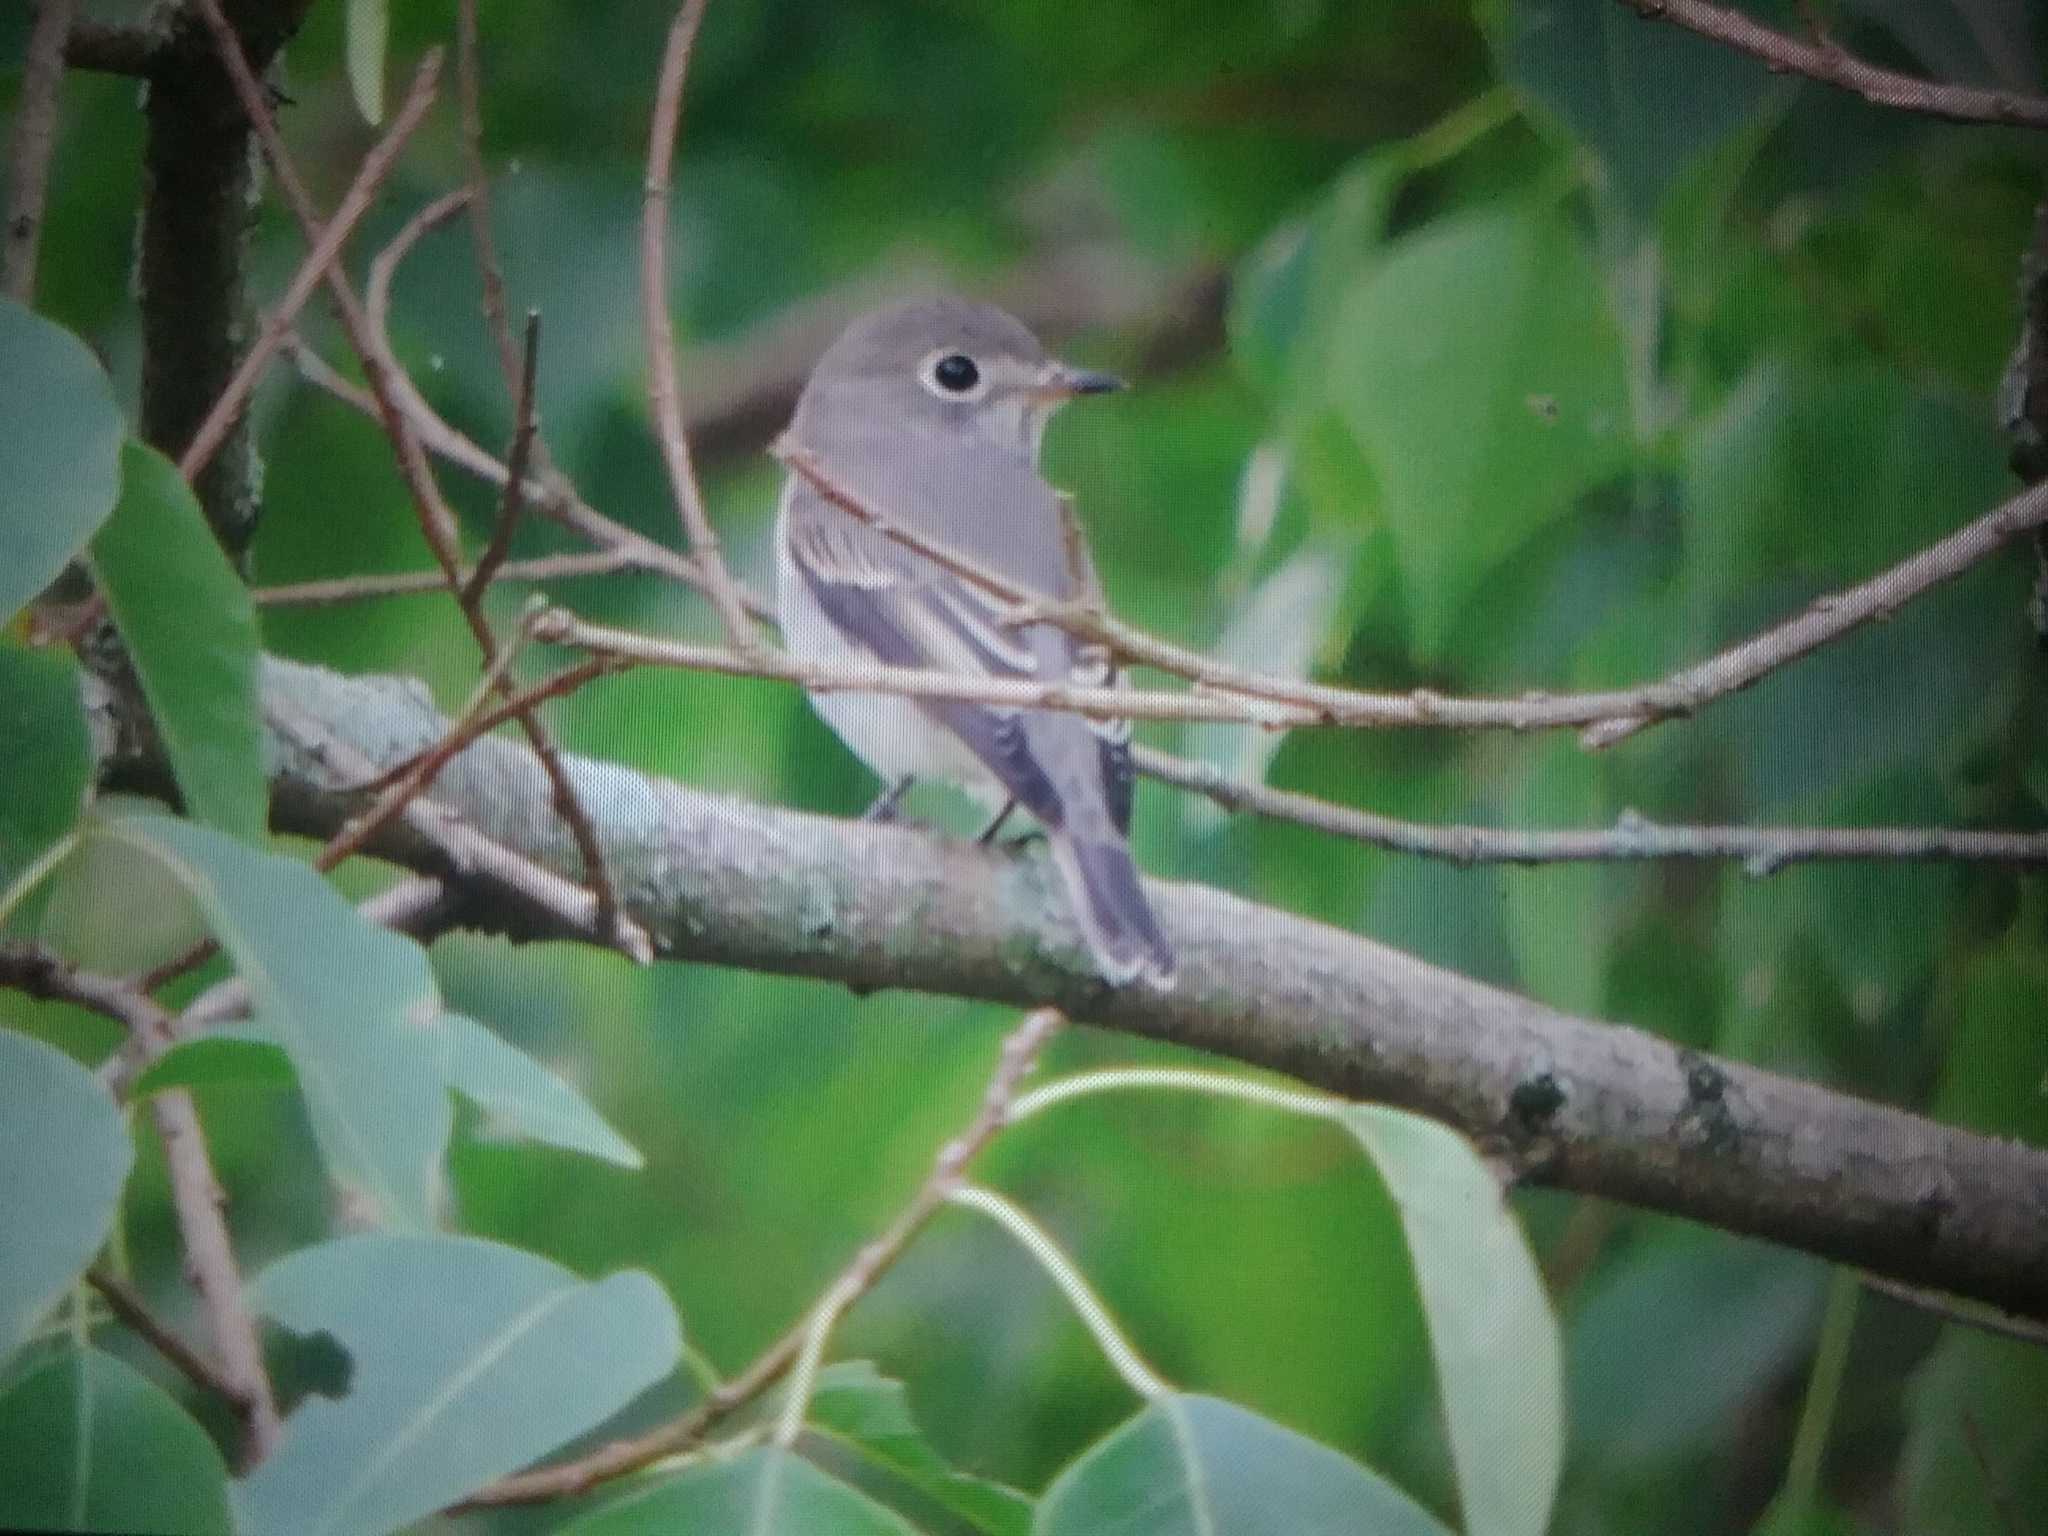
(60, 452)
(45, 758)
(250, 1058)
(191, 629)
(1990, 1391)
(869, 1415)
(1608, 75)
(764, 1492)
(64, 1156)
(112, 1452)
(1499, 1361)
(468, 1360)
(512, 1087)
(1481, 373)
(349, 1001)
(368, 33)
(1198, 1466)
(113, 908)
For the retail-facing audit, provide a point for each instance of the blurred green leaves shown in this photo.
(64, 1156)
(1480, 371)
(44, 756)
(467, 1360)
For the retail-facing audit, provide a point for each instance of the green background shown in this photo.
(1580, 348)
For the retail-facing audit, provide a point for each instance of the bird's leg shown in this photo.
(885, 804)
(988, 833)
(987, 837)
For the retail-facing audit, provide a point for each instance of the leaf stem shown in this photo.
(1137, 1375)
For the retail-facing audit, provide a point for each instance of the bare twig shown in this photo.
(1827, 618)
(1957, 1309)
(469, 86)
(30, 147)
(514, 499)
(356, 589)
(1020, 1049)
(1761, 850)
(1826, 61)
(195, 1192)
(126, 1303)
(663, 394)
(227, 409)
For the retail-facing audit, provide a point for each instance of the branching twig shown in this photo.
(469, 85)
(227, 409)
(1826, 61)
(1020, 1050)
(30, 147)
(514, 500)
(1762, 850)
(195, 1192)
(355, 589)
(663, 394)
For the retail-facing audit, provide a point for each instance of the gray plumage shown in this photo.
(931, 413)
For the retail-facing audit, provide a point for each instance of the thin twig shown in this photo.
(227, 408)
(355, 589)
(664, 396)
(514, 500)
(1826, 619)
(553, 497)
(1959, 1309)
(469, 88)
(1826, 61)
(32, 144)
(1762, 850)
(195, 1192)
(126, 1303)
(1020, 1050)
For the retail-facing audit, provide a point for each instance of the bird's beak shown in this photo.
(1060, 382)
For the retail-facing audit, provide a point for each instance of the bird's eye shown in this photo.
(955, 373)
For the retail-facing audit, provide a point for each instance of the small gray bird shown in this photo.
(931, 413)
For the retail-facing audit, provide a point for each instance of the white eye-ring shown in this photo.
(952, 375)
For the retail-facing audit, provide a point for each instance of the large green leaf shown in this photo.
(1499, 1362)
(869, 1415)
(64, 1156)
(111, 1452)
(191, 629)
(60, 452)
(468, 1360)
(764, 1492)
(1479, 369)
(45, 759)
(1647, 99)
(1198, 1466)
(349, 1001)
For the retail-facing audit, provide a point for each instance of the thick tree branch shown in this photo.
(1599, 1108)
(1821, 59)
(198, 205)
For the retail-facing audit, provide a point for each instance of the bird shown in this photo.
(929, 414)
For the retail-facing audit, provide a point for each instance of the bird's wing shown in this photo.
(908, 611)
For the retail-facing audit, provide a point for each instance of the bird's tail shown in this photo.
(1110, 905)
